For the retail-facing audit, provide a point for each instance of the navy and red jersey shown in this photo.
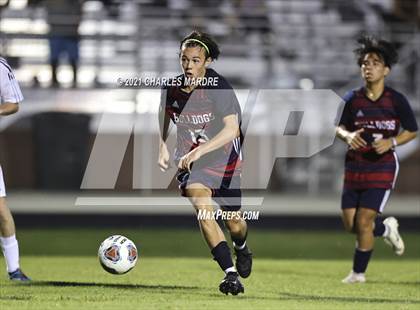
(198, 117)
(381, 119)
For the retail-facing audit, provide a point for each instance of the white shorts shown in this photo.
(2, 187)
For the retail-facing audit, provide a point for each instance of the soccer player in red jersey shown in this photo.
(376, 119)
(208, 151)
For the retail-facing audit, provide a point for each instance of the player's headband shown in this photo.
(200, 42)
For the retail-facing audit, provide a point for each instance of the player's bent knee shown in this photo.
(235, 229)
(197, 192)
(349, 228)
(363, 226)
(198, 197)
(208, 223)
(235, 225)
(364, 221)
(348, 225)
(202, 207)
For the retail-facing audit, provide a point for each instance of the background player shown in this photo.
(370, 125)
(208, 135)
(10, 96)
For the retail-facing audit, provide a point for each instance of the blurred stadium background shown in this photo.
(282, 44)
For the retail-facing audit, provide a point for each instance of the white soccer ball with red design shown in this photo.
(117, 254)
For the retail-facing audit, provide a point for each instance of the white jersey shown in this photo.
(9, 88)
(9, 93)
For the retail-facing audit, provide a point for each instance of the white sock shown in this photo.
(230, 269)
(239, 247)
(10, 249)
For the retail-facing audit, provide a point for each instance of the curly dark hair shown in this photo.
(384, 49)
(203, 40)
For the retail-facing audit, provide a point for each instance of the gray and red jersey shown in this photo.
(198, 117)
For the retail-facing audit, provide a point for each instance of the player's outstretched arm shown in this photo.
(8, 108)
(229, 132)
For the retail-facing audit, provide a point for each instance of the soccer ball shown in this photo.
(117, 254)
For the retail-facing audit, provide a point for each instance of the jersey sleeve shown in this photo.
(9, 88)
(344, 116)
(405, 113)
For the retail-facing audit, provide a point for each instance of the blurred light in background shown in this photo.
(17, 4)
(306, 84)
(44, 74)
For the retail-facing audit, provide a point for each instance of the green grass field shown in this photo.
(292, 270)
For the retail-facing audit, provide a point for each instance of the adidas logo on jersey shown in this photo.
(360, 113)
(175, 104)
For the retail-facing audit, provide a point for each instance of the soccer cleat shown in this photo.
(354, 277)
(394, 239)
(231, 284)
(18, 275)
(243, 262)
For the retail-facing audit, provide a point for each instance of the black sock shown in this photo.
(361, 260)
(221, 254)
(379, 229)
(239, 241)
